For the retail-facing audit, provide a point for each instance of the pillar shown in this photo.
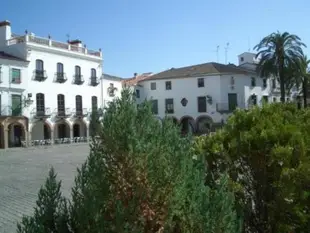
(71, 132)
(6, 138)
(87, 133)
(52, 137)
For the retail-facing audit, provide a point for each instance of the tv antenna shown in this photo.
(217, 53)
(68, 37)
(226, 51)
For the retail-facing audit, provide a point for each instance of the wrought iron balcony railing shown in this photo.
(39, 75)
(78, 79)
(60, 77)
(78, 112)
(62, 112)
(94, 81)
(41, 112)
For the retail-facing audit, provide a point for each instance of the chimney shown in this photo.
(5, 32)
(135, 75)
(77, 43)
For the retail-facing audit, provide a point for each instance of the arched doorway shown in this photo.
(16, 134)
(41, 130)
(62, 129)
(79, 129)
(204, 124)
(187, 125)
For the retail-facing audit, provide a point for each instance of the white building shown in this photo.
(202, 97)
(57, 91)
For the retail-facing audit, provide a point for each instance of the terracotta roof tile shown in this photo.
(135, 80)
(199, 70)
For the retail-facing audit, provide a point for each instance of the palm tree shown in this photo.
(300, 78)
(278, 52)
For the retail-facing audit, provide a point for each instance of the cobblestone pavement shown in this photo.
(23, 171)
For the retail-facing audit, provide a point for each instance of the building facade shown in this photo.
(202, 97)
(61, 84)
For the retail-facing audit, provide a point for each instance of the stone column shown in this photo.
(6, 138)
(87, 134)
(28, 140)
(52, 137)
(71, 132)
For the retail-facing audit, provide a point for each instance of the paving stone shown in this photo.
(24, 170)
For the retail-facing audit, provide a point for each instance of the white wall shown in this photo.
(6, 87)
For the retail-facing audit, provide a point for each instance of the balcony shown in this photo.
(62, 112)
(94, 81)
(78, 79)
(60, 77)
(11, 111)
(228, 108)
(41, 113)
(97, 111)
(80, 112)
(39, 75)
(47, 42)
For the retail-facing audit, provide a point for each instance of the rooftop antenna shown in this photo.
(217, 53)
(249, 45)
(68, 37)
(226, 51)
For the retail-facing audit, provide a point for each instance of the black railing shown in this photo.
(93, 81)
(60, 77)
(42, 112)
(78, 79)
(40, 75)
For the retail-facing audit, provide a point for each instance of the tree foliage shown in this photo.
(266, 151)
(140, 177)
(279, 53)
(50, 213)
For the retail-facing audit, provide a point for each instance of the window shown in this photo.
(40, 102)
(274, 99)
(16, 76)
(77, 71)
(60, 68)
(153, 86)
(201, 82)
(264, 83)
(78, 104)
(202, 104)
(94, 103)
(93, 73)
(39, 65)
(253, 82)
(265, 99)
(242, 59)
(274, 83)
(168, 85)
(138, 93)
(155, 107)
(61, 104)
(169, 106)
(254, 99)
(232, 80)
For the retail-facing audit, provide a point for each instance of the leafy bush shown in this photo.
(266, 152)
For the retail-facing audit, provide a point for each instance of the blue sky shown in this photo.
(151, 36)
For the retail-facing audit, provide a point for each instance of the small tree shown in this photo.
(94, 124)
(141, 177)
(50, 214)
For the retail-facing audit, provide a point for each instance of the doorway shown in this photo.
(76, 130)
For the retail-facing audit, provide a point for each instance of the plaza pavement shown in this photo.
(23, 171)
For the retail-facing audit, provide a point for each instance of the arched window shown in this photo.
(40, 102)
(39, 65)
(94, 103)
(61, 104)
(60, 68)
(77, 70)
(78, 104)
(93, 73)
